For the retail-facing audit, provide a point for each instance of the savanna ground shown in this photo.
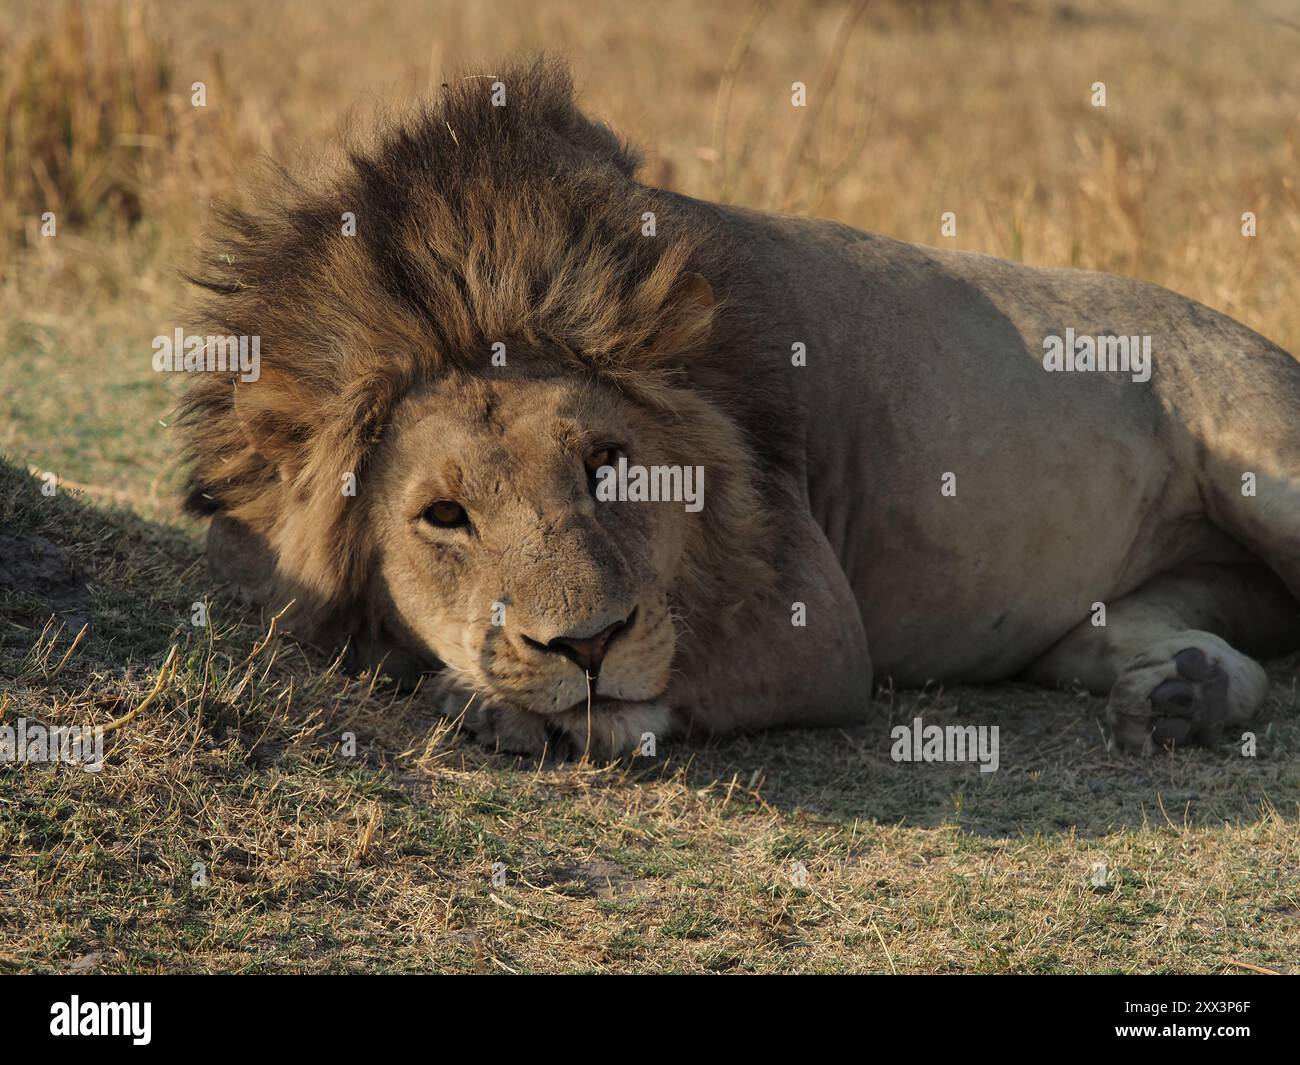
(230, 753)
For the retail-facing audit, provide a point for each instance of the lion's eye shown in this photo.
(445, 513)
(605, 456)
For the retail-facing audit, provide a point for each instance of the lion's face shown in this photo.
(493, 552)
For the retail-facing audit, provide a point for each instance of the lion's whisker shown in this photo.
(587, 749)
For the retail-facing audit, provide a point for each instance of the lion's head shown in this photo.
(441, 386)
(492, 549)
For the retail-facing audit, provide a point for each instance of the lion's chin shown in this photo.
(598, 701)
(608, 702)
(568, 698)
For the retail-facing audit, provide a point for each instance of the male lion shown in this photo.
(894, 483)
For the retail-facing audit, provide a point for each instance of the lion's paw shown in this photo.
(615, 730)
(611, 730)
(1182, 691)
(502, 728)
(507, 730)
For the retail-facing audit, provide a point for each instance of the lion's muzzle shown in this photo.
(586, 652)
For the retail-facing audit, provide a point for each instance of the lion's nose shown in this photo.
(587, 652)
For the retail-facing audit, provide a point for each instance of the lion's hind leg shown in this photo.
(1174, 655)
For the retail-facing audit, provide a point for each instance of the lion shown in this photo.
(481, 333)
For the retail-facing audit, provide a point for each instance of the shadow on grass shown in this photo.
(136, 582)
(132, 580)
(1055, 773)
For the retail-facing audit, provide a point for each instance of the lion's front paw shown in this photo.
(509, 731)
(501, 728)
(612, 730)
(608, 731)
(1182, 692)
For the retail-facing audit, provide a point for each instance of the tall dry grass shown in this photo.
(97, 124)
(83, 97)
(978, 107)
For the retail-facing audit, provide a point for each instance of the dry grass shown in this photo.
(97, 125)
(317, 860)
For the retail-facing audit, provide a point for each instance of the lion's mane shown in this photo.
(474, 225)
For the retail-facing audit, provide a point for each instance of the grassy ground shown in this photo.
(320, 859)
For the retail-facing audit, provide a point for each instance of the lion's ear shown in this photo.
(688, 315)
(271, 410)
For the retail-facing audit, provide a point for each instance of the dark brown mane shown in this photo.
(475, 225)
